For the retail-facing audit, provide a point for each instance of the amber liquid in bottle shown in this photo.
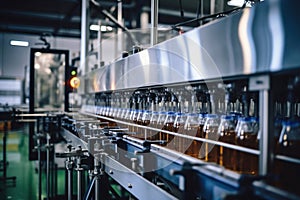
(201, 153)
(288, 173)
(135, 121)
(211, 150)
(139, 131)
(247, 163)
(227, 156)
(153, 135)
(168, 127)
(160, 125)
(178, 142)
(193, 146)
(146, 131)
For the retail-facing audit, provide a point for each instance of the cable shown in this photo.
(44, 40)
(198, 8)
(181, 9)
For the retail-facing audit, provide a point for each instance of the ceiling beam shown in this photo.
(67, 18)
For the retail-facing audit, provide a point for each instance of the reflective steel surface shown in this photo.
(263, 38)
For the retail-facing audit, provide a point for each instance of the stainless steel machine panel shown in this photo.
(259, 39)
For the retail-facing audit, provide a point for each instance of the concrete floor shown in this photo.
(19, 166)
(25, 171)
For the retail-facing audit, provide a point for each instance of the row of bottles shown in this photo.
(287, 133)
(221, 112)
(225, 113)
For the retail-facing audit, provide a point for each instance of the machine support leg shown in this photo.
(97, 188)
(48, 168)
(4, 149)
(70, 184)
(39, 169)
(79, 188)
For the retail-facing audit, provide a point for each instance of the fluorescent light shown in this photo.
(103, 28)
(238, 3)
(95, 27)
(19, 43)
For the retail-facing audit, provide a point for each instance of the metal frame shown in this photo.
(135, 184)
(32, 109)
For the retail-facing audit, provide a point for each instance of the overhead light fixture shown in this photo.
(103, 28)
(19, 43)
(240, 3)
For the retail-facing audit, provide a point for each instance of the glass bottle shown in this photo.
(134, 119)
(160, 124)
(210, 129)
(179, 128)
(126, 117)
(247, 163)
(201, 122)
(154, 135)
(145, 121)
(289, 139)
(192, 128)
(289, 145)
(169, 126)
(227, 134)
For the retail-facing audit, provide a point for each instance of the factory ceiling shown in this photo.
(63, 17)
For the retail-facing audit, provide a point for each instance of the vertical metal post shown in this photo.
(154, 21)
(120, 14)
(79, 178)
(48, 167)
(212, 6)
(39, 168)
(144, 18)
(70, 183)
(262, 84)
(79, 195)
(119, 35)
(79, 170)
(100, 44)
(4, 148)
(219, 7)
(84, 36)
(97, 188)
(201, 11)
(264, 158)
(202, 8)
(97, 176)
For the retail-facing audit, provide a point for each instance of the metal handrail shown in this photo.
(231, 146)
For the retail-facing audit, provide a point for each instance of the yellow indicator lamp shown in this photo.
(75, 82)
